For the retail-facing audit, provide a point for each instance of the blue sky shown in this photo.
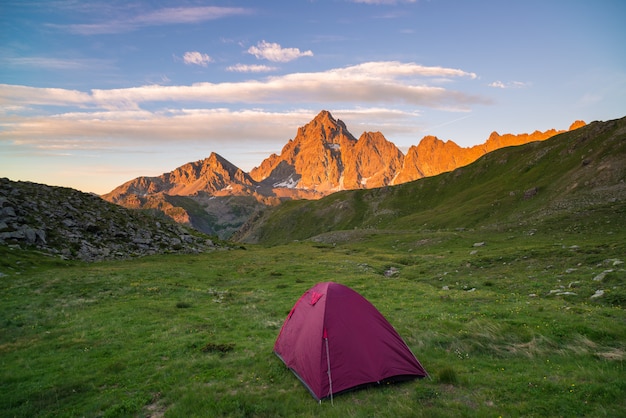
(95, 93)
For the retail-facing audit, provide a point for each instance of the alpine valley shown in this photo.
(216, 197)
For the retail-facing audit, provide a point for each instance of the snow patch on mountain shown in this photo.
(290, 183)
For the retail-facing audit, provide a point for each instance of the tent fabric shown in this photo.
(335, 338)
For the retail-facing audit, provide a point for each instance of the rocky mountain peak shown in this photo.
(325, 128)
(324, 157)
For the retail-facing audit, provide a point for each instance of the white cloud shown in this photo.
(510, 85)
(59, 63)
(99, 131)
(366, 83)
(188, 15)
(196, 58)
(18, 95)
(243, 68)
(164, 16)
(497, 84)
(120, 129)
(276, 53)
(378, 2)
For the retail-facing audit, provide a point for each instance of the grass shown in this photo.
(192, 335)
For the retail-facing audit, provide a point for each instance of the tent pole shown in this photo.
(330, 379)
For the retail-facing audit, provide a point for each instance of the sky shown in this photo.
(96, 93)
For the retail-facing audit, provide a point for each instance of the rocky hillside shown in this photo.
(76, 225)
(323, 158)
(577, 176)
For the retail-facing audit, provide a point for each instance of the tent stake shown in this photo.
(330, 379)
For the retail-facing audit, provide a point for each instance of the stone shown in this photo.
(392, 271)
(7, 212)
(600, 277)
(530, 193)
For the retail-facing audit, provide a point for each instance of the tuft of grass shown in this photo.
(218, 348)
(447, 376)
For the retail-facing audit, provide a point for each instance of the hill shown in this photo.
(323, 158)
(75, 225)
(578, 174)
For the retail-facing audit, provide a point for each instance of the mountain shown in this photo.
(214, 175)
(323, 158)
(578, 175)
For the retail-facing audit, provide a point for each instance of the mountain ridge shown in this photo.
(323, 158)
(579, 175)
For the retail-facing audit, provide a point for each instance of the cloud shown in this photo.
(59, 63)
(120, 129)
(196, 58)
(25, 95)
(367, 83)
(276, 53)
(379, 2)
(164, 16)
(510, 85)
(497, 84)
(243, 68)
(100, 131)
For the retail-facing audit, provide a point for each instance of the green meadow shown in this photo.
(503, 320)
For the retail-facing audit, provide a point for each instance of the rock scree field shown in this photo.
(513, 302)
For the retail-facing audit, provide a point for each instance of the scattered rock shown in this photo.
(599, 293)
(612, 261)
(479, 244)
(561, 292)
(530, 193)
(600, 277)
(391, 271)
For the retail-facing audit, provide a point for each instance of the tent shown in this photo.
(335, 340)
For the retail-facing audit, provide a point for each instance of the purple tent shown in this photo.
(334, 340)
